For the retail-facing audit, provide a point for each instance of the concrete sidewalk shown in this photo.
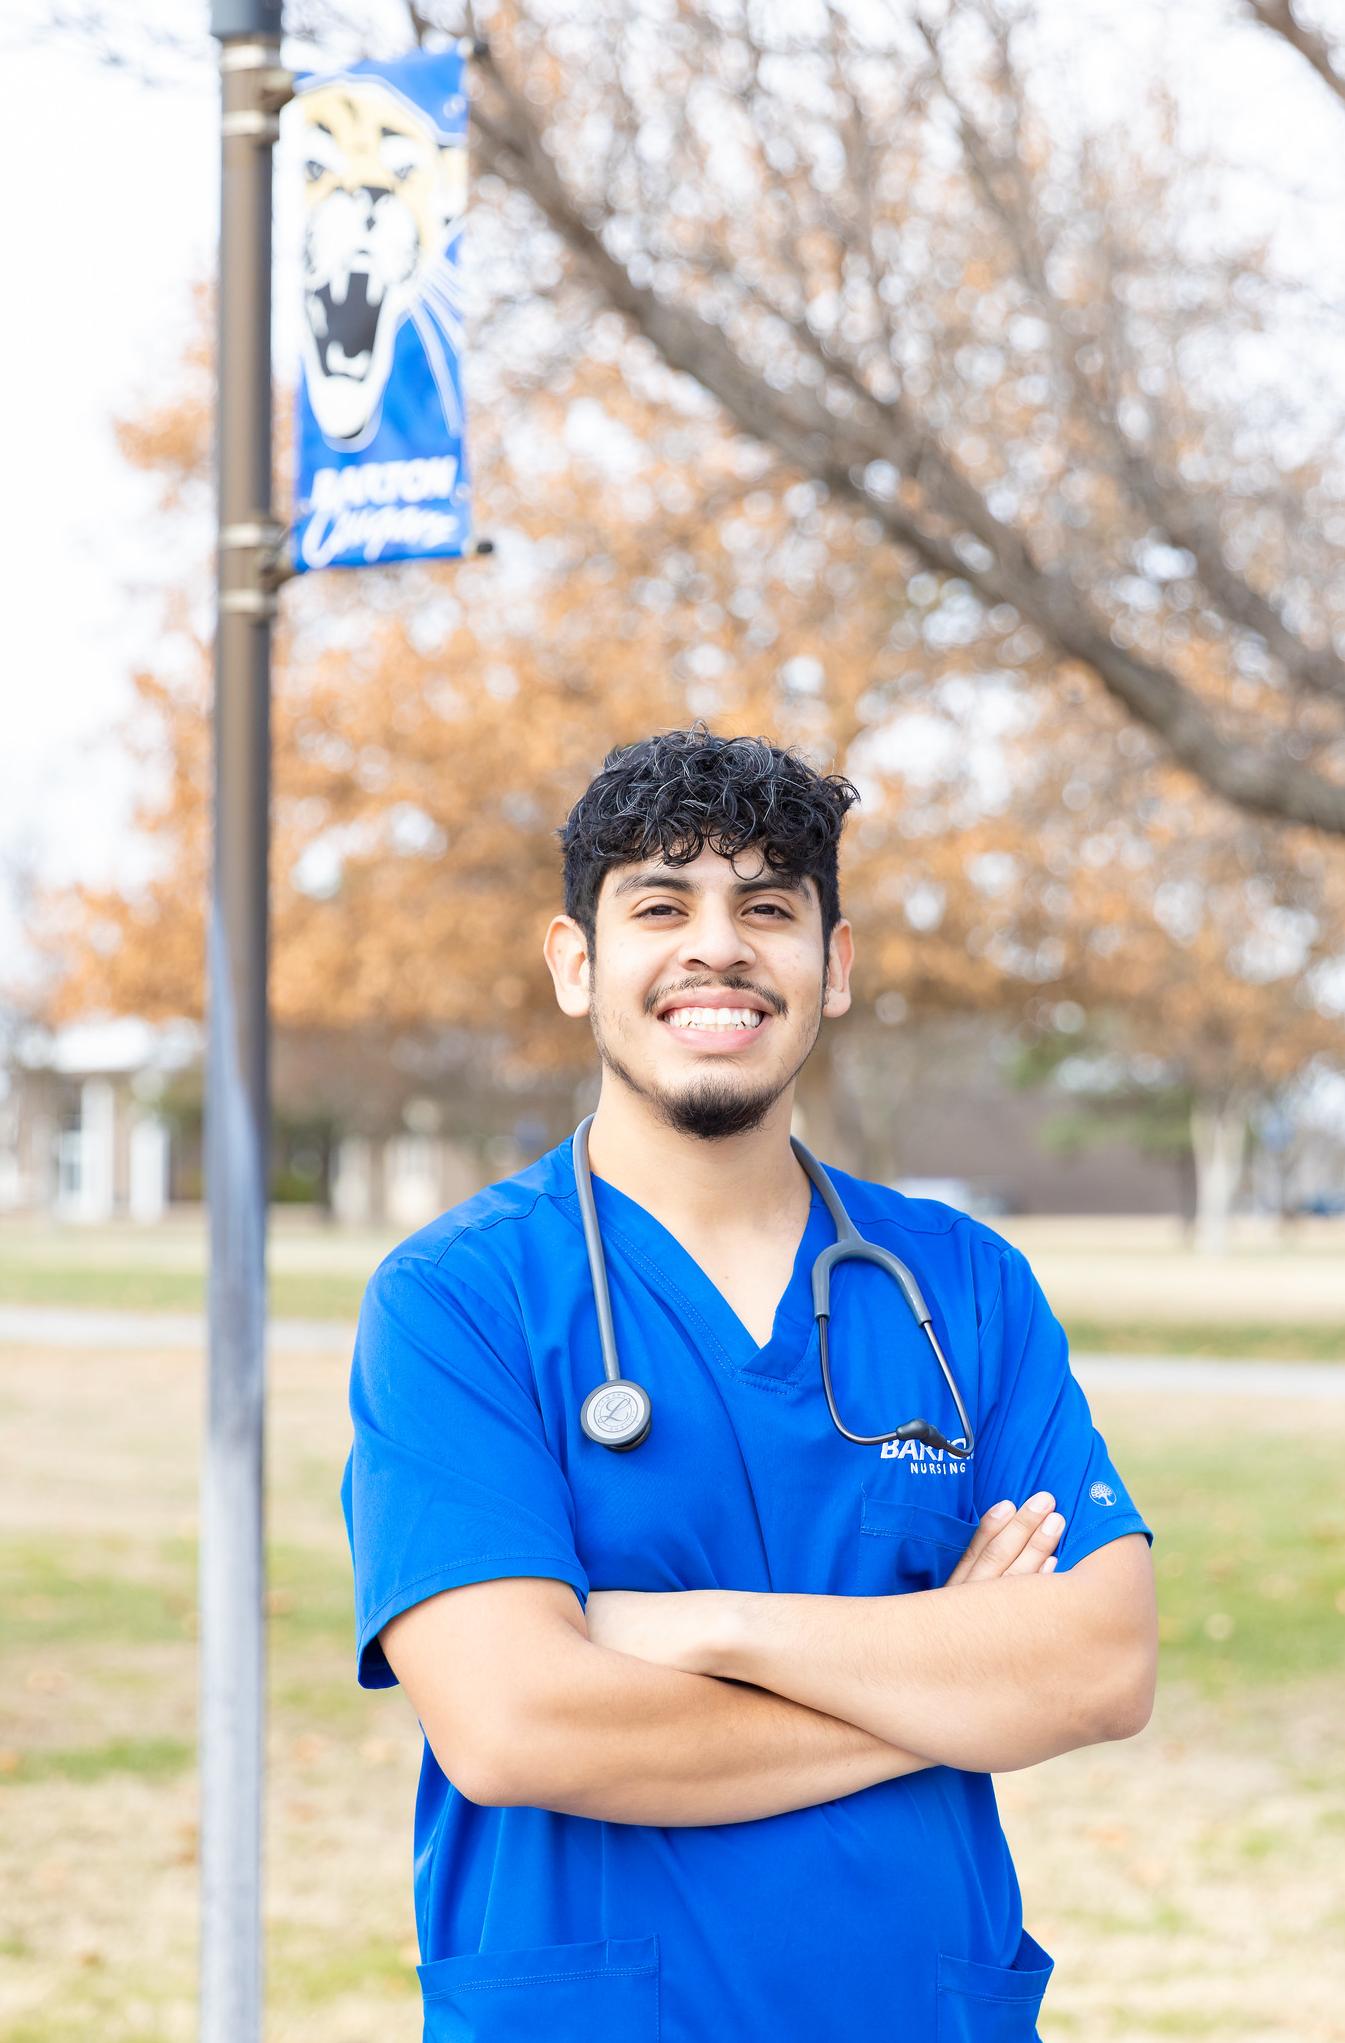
(41, 1326)
(54, 1326)
(1188, 1372)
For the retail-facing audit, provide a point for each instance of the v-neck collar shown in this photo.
(650, 1244)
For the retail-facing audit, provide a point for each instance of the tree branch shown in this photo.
(1185, 522)
(840, 453)
(1279, 17)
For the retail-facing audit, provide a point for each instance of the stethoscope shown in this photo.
(618, 1414)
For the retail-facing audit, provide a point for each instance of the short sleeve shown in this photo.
(449, 1479)
(1036, 1431)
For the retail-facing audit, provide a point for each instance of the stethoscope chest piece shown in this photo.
(617, 1415)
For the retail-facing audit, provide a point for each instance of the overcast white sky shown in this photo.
(112, 215)
(101, 245)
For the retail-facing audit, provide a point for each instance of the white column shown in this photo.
(351, 1200)
(412, 1189)
(97, 1129)
(148, 1191)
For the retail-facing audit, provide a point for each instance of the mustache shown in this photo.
(772, 1000)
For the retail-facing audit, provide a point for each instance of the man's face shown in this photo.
(706, 989)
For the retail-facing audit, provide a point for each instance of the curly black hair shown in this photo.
(673, 794)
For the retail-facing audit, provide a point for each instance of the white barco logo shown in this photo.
(925, 1461)
(1102, 1493)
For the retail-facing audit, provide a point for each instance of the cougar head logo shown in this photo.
(384, 197)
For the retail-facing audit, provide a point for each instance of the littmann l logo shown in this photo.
(1102, 1493)
(613, 1413)
(924, 1460)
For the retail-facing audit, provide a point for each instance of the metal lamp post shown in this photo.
(236, 1108)
(254, 87)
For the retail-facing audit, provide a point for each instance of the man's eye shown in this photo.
(770, 908)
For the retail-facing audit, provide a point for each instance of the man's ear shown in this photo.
(840, 959)
(565, 948)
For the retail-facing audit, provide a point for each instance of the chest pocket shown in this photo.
(921, 1546)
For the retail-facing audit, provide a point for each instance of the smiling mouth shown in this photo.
(720, 1029)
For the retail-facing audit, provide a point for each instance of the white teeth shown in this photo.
(338, 287)
(374, 289)
(714, 1018)
(339, 363)
(317, 314)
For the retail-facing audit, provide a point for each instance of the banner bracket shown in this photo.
(272, 84)
(275, 89)
(268, 87)
(256, 546)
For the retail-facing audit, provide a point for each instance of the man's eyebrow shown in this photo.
(780, 883)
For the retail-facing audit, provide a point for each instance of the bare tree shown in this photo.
(993, 337)
(896, 263)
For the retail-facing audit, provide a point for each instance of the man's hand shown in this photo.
(1021, 1542)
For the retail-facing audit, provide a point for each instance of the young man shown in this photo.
(710, 1722)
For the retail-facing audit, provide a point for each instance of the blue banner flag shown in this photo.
(380, 431)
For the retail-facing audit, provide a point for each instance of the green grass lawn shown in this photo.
(1249, 1555)
(98, 1750)
(1238, 1341)
(294, 1294)
(1249, 1552)
(141, 1285)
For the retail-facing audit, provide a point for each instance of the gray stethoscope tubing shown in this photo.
(618, 1414)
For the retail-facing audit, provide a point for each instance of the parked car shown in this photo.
(1320, 1204)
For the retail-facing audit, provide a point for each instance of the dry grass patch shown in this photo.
(1187, 1882)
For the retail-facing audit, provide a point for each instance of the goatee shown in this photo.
(707, 1108)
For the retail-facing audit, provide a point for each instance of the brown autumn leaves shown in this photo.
(434, 724)
(1021, 842)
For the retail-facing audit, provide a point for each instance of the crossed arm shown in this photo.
(988, 1675)
(641, 1714)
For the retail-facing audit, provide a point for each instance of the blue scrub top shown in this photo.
(891, 1912)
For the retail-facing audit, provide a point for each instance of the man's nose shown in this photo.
(715, 939)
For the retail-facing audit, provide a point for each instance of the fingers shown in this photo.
(997, 1517)
(1015, 1543)
(1039, 1549)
